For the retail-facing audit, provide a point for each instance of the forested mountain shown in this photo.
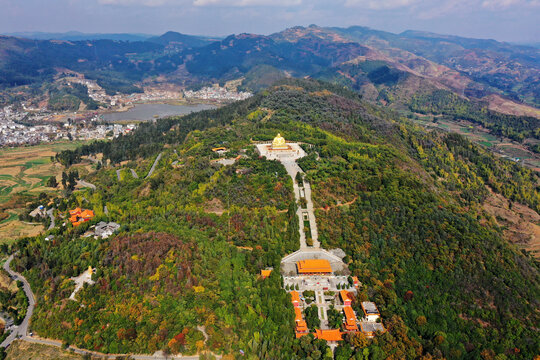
(79, 36)
(404, 204)
(512, 69)
(469, 67)
(484, 76)
(33, 62)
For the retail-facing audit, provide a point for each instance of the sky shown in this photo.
(504, 20)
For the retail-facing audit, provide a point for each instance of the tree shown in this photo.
(52, 182)
(343, 352)
(299, 179)
(312, 317)
(357, 339)
(64, 179)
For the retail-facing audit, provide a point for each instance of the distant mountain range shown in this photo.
(79, 36)
(383, 66)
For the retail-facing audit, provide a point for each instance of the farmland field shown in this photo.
(21, 350)
(24, 172)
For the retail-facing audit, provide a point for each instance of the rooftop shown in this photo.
(297, 314)
(350, 317)
(295, 297)
(266, 273)
(311, 266)
(329, 335)
(345, 295)
(371, 327)
(370, 308)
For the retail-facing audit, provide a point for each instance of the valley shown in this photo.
(219, 235)
(306, 192)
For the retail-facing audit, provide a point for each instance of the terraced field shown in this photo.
(24, 172)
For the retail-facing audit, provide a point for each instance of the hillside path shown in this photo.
(50, 212)
(86, 184)
(157, 356)
(154, 166)
(22, 329)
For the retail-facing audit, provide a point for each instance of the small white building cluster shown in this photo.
(104, 230)
(217, 93)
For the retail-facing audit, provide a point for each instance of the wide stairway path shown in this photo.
(292, 169)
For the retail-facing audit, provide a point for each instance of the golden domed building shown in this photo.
(279, 143)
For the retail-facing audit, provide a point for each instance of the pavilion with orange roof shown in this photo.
(78, 216)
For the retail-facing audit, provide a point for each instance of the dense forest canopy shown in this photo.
(404, 204)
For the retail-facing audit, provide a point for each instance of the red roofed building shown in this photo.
(78, 216)
(328, 335)
(350, 319)
(301, 325)
(295, 298)
(314, 266)
(345, 297)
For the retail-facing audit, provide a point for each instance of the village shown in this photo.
(27, 124)
(217, 93)
(318, 280)
(14, 133)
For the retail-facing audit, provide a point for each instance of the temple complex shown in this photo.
(315, 276)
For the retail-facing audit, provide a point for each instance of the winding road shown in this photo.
(86, 184)
(22, 329)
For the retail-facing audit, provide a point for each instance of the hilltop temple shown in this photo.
(279, 143)
(280, 149)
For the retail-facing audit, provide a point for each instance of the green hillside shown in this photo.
(404, 204)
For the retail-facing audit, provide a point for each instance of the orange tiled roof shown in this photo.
(349, 313)
(350, 318)
(299, 335)
(75, 211)
(301, 326)
(265, 273)
(345, 295)
(79, 216)
(298, 314)
(328, 335)
(295, 297)
(312, 266)
(86, 214)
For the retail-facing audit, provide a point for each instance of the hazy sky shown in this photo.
(508, 20)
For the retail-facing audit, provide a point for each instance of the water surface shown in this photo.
(145, 112)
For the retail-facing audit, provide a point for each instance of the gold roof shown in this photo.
(278, 142)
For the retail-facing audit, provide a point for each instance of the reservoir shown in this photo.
(145, 112)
